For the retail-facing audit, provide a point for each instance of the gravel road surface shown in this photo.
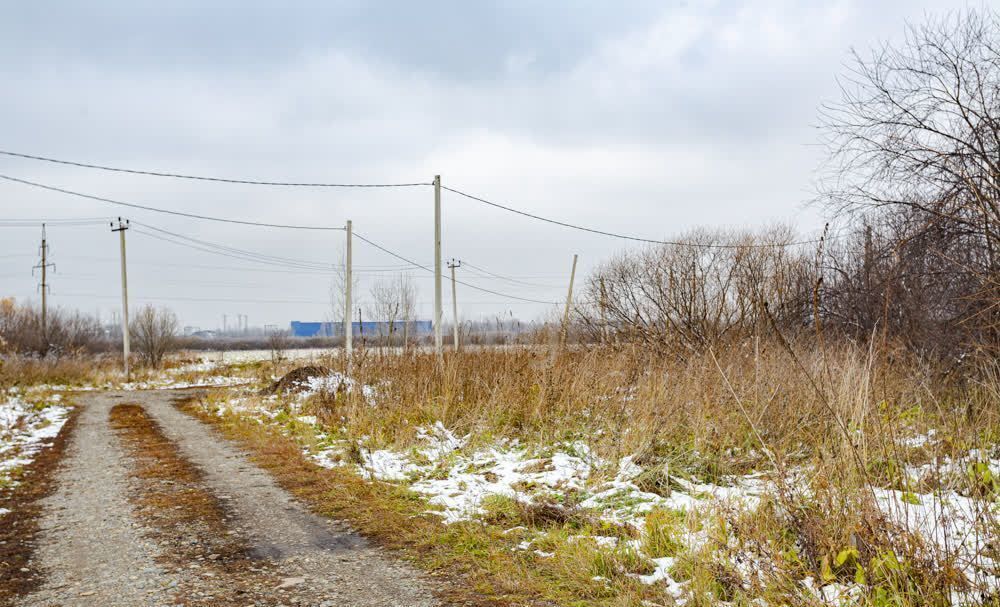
(95, 549)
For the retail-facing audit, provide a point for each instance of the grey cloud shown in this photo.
(643, 117)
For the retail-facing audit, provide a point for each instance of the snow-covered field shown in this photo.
(27, 426)
(192, 375)
(230, 357)
(464, 480)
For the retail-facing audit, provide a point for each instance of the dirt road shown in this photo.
(154, 508)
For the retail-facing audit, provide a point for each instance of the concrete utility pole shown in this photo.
(43, 266)
(348, 323)
(454, 300)
(437, 267)
(122, 226)
(604, 312)
(569, 303)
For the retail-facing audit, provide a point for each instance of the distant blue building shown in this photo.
(359, 329)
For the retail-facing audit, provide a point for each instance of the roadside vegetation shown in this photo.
(789, 475)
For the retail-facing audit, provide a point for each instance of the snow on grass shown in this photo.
(252, 356)
(201, 366)
(458, 483)
(456, 476)
(167, 380)
(172, 383)
(952, 472)
(26, 427)
(662, 574)
(949, 522)
(336, 382)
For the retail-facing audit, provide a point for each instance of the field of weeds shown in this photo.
(761, 472)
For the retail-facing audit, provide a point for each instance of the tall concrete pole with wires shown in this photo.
(569, 304)
(44, 287)
(604, 311)
(122, 226)
(437, 267)
(454, 300)
(348, 325)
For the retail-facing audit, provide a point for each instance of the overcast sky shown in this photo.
(645, 118)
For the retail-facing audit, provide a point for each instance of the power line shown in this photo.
(167, 211)
(215, 179)
(251, 256)
(510, 279)
(471, 286)
(625, 236)
(183, 281)
(202, 299)
(34, 223)
(497, 205)
(243, 300)
(187, 266)
(216, 251)
(319, 265)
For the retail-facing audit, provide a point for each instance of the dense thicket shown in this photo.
(22, 331)
(913, 178)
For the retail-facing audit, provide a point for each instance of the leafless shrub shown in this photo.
(65, 333)
(277, 341)
(407, 291)
(153, 333)
(904, 281)
(709, 287)
(338, 285)
(915, 149)
(393, 306)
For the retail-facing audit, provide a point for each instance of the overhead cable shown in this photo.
(505, 207)
(216, 251)
(508, 278)
(319, 265)
(295, 184)
(471, 286)
(677, 243)
(168, 211)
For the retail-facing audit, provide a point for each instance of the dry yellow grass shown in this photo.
(829, 427)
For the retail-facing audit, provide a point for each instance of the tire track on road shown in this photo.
(90, 546)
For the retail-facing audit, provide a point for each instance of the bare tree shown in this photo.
(385, 307)
(153, 333)
(338, 286)
(393, 306)
(407, 305)
(915, 143)
(708, 286)
(68, 332)
(277, 340)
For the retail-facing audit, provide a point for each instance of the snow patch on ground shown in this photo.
(167, 381)
(457, 478)
(336, 382)
(171, 383)
(950, 523)
(25, 429)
